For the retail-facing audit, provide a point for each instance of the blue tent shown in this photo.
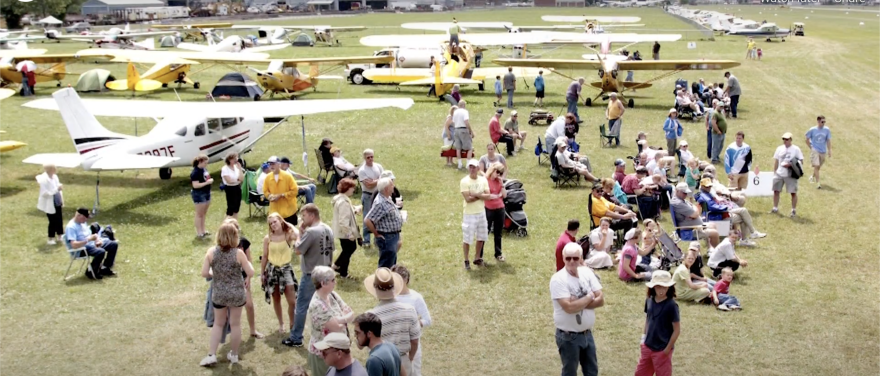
(237, 85)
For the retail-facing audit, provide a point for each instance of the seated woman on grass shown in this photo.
(685, 288)
(601, 239)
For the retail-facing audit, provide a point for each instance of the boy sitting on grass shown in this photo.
(721, 294)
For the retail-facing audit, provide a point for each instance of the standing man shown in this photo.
(368, 174)
(819, 142)
(614, 114)
(568, 236)
(463, 135)
(402, 327)
(656, 50)
(539, 89)
(384, 358)
(783, 159)
(576, 292)
(453, 36)
(738, 162)
(500, 135)
(307, 190)
(336, 350)
(719, 131)
(316, 246)
(572, 95)
(512, 128)
(733, 91)
(432, 91)
(103, 252)
(281, 190)
(475, 190)
(710, 112)
(385, 222)
(509, 86)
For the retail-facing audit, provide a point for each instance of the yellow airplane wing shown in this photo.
(397, 75)
(337, 60)
(59, 58)
(10, 145)
(667, 65)
(550, 63)
(17, 54)
(179, 57)
(501, 71)
(443, 80)
(194, 26)
(6, 93)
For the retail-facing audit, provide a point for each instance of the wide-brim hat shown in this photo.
(660, 278)
(384, 284)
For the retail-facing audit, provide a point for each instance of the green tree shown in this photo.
(13, 11)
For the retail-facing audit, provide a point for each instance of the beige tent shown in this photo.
(49, 21)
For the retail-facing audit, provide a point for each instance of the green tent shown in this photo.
(93, 80)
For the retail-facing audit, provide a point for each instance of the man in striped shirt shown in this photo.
(400, 322)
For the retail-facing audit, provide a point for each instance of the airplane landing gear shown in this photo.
(768, 39)
(588, 102)
(481, 87)
(165, 173)
(630, 103)
(196, 85)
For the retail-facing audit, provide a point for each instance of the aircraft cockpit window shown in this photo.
(228, 122)
(614, 73)
(200, 129)
(291, 71)
(241, 120)
(181, 132)
(214, 125)
(601, 73)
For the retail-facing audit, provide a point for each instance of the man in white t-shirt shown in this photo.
(724, 255)
(575, 292)
(369, 175)
(474, 189)
(462, 134)
(262, 177)
(785, 155)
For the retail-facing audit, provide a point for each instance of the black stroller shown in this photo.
(516, 221)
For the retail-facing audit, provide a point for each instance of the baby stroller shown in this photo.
(672, 255)
(516, 221)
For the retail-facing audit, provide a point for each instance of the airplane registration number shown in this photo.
(167, 151)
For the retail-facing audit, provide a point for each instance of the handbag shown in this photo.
(360, 239)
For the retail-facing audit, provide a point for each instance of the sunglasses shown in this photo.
(823, 121)
(786, 139)
(567, 259)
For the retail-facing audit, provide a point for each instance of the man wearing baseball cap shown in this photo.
(103, 253)
(619, 171)
(785, 156)
(500, 135)
(475, 190)
(308, 189)
(512, 128)
(281, 190)
(336, 351)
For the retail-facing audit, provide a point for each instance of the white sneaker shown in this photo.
(723, 307)
(209, 360)
(812, 179)
(747, 243)
(793, 213)
(774, 211)
(232, 358)
(51, 242)
(459, 165)
(758, 235)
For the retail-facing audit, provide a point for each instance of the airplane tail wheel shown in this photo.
(588, 102)
(631, 103)
(197, 85)
(164, 173)
(165, 85)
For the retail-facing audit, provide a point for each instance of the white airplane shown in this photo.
(232, 43)
(494, 26)
(113, 38)
(11, 40)
(323, 33)
(186, 129)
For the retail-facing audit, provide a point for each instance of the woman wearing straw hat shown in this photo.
(662, 327)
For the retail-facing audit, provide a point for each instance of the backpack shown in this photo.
(796, 169)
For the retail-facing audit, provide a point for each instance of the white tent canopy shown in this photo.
(49, 21)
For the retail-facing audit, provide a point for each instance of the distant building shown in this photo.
(94, 7)
(560, 3)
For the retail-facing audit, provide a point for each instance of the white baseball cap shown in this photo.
(273, 159)
(473, 162)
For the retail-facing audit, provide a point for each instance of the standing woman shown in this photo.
(327, 314)
(495, 206)
(447, 133)
(245, 245)
(455, 93)
(662, 327)
(277, 276)
(345, 225)
(224, 263)
(201, 192)
(51, 201)
(232, 175)
(673, 129)
(491, 158)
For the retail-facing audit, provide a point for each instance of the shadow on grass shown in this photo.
(490, 270)
(10, 191)
(107, 181)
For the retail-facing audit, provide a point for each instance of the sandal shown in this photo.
(258, 335)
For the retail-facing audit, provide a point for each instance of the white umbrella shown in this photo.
(26, 64)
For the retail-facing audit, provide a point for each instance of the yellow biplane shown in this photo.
(284, 77)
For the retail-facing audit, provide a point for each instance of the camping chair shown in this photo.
(543, 155)
(77, 254)
(256, 203)
(683, 233)
(561, 175)
(604, 139)
(322, 168)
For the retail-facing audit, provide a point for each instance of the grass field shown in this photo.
(809, 293)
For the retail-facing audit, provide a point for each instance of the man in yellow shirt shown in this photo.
(751, 49)
(280, 189)
(614, 114)
(621, 218)
(475, 190)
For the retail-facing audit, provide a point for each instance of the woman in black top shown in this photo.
(325, 153)
(201, 192)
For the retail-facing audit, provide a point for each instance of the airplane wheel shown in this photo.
(631, 103)
(58, 85)
(588, 102)
(165, 85)
(768, 39)
(197, 85)
(482, 87)
(164, 173)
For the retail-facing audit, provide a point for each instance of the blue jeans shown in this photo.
(709, 143)
(509, 98)
(106, 255)
(614, 126)
(388, 249)
(367, 202)
(573, 107)
(717, 144)
(577, 348)
(309, 191)
(728, 299)
(303, 298)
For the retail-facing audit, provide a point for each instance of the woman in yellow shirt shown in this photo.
(277, 275)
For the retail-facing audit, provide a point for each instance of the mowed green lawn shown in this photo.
(809, 292)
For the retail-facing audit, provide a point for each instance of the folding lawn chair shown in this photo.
(604, 139)
(322, 168)
(543, 155)
(77, 254)
(256, 203)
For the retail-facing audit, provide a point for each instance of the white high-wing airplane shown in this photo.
(186, 129)
(323, 33)
(119, 37)
(232, 43)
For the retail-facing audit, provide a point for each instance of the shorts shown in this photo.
(200, 197)
(474, 225)
(739, 180)
(453, 39)
(216, 306)
(817, 159)
(539, 94)
(790, 183)
(281, 276)
(461, 139)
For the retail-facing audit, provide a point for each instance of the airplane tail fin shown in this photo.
(133, 82)
(85, 131)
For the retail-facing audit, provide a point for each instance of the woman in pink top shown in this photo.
(495, 205)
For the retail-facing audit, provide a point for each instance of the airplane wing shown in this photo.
(487, 39)
(161, 109)
(443, 80)
(258, 49)
(668, 65)
(336, 60)
(131, 162)
(6, 93)
(550, 28)
(518, 71)
(550, 63)
(143, 34)
(580, 38)
(182, 57)
(67, 160)
(22, 38)
(194, 47)
(600, 19)
(21, 54)
(444, 26)
(194, 26)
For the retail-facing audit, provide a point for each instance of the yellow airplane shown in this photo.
(9, 145)
(55, 72)
(609, 68)
(283, 76)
